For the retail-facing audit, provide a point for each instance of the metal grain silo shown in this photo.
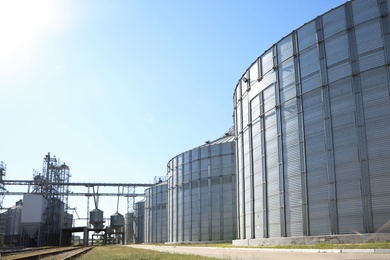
(202, 193)
(312, 124)
(156, 213)
(116, 221)
(138, 222)
(12, 224)
(129, 232)
(13, 220)
(116, 224)
(96, 218)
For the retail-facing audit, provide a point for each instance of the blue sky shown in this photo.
(117, 88)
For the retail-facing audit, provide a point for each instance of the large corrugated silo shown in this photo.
(202, 193)
(138, 222)
(156, 213)
(312, 124)
(12, 221)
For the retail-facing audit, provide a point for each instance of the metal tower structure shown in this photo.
(3, 167)
(53, 181)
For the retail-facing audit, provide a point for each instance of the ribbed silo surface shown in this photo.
(117, 220)
(202, 193)
(312, 122)
(138, 222)
(96, 218)
(156, 213)
(12, 221)
(129, 232)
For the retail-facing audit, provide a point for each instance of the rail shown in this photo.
(51, 253)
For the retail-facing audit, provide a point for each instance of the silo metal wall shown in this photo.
(13, 220)
(138, 222)
(129, 232)
(156, 214)
(202, 194)
(312, 124)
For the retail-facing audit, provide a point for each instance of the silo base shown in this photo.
(313, 240)
(198, 242)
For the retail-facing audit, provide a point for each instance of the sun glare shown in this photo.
(23, 23)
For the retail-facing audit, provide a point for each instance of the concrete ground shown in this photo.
(272, 254)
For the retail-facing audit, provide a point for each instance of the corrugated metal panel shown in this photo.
(309, 63)
(255, 108)
(269, 98)
(268, 79)
(377, 118)
(272, 174)
(254, 73)
(291, 162)
(186, 156)
(258, 195)
(194, 154)
(339, 72)
(267, 62)
(245, 118)
(307, 35)
(316, 164)
(364, 10)
(285, 49)
(334, 21)
(187, 172)
(288, 93)
(337, 49)
(226, 148)
(375, 94)
(13, 221)
(286, 74)
(388, 5)
(373, 78)
(204, 152)
(287, 81)
(347, 166)
(274, 211)
(311, 83)
(372, 60)
(369, 36)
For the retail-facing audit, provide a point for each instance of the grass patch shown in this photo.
(118, 252)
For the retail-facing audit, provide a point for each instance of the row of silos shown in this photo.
(312, 121)
(34, 221)
(10, 227)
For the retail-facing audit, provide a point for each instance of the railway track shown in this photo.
(61, 253)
